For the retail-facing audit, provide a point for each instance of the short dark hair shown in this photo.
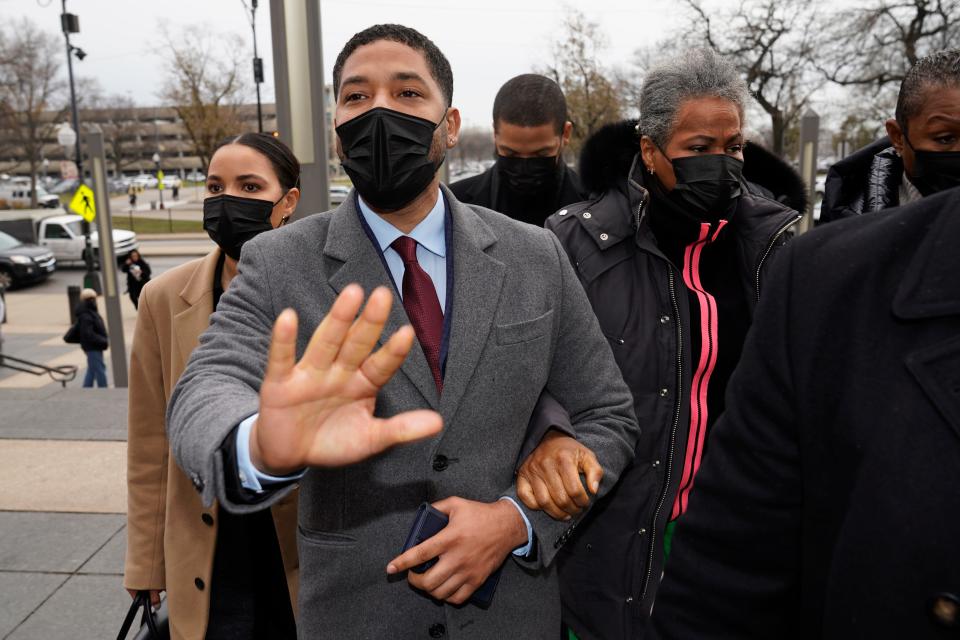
(436, 61)
(530, 100)
(940, 69)
(281, 158)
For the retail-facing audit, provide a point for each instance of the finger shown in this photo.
(283, 346)
(547, 504)
(403, 428)
(446, 590)
(593, 471)
(415, 556)
(525, 493)
(434, 577)
(446, 505)
(329, 335)
(380, 367)
(558, 490)
(570, 476)
(155, 598)
(462, 595)
(366, 330)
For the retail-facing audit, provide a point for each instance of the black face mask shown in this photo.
(231, 221)
(934, 170)
(530, 176)
(387, 156)
(708, 186)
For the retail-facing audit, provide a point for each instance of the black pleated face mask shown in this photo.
(934, 171)
(387, 156)
(530, 176)
(231, 221)
(708, 185)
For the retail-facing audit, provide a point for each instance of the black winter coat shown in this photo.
(610, 569)
(484, 190)
(829, 504)
(90, 327)
(866, 181)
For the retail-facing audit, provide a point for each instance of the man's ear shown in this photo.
(567, 132)
(895, 133)
(453, 127)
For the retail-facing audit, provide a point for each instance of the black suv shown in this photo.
(23, 263)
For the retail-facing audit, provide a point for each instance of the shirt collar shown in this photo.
(430, 233)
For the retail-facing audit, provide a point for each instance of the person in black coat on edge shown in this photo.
(530, 179)
(920, 155)
(673, 256)
(90, 332)
(138, 274)
(829, 505)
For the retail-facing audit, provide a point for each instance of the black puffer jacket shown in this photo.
(611, 568)
(864, 182)
(91, 332)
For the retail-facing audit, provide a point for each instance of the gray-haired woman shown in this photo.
(673, 256)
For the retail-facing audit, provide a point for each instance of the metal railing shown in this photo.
(62, 374)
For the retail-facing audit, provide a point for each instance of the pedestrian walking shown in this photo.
(132, 193)
(90, 333)
(138, 274)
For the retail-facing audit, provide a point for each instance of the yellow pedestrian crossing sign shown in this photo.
(82, 203)
(160, 180)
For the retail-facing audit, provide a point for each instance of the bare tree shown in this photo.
(30, 88)
(123, 133)
(474, 147)
(593, 97)
(205, 86)
(771, 43)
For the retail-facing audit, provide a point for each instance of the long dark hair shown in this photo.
(284, 163)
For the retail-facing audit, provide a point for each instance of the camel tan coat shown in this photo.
(170, 536)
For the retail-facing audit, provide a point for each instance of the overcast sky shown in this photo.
(487, 41)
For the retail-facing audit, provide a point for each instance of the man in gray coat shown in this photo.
(498, 315)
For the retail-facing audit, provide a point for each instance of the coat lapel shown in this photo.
(360, 263)
(930, 290)
(477, 283)
(197, 293)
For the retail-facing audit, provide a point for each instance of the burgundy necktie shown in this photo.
(422, 305)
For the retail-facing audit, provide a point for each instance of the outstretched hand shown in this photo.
(318, 412)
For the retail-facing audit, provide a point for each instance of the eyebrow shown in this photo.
(535, 151)
(248, 176)
(944, 117)
(733, 138)
(399, 75)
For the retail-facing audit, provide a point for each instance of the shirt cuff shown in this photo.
(523, 551)
(250, 477)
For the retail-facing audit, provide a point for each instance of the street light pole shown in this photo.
(70, 24)
(257, 62)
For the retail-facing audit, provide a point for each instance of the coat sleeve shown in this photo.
(147, 457)
(585, 379)
(221, 384)
(733, 570)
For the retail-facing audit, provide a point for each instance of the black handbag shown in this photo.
(72, 336)
(154, 625)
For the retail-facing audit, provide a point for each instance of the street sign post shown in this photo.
(108, 260)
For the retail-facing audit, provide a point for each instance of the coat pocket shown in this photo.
(525, 331)
(326, 538)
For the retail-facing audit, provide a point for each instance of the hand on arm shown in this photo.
(319, 411)
(476, 541)
(549, 479)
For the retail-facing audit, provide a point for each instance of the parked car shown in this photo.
(195, 176)
(170, 181)
(16, 194)
(63, 235)
(145, 180)
(338, 193)
(22, 263)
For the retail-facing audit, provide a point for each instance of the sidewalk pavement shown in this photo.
(62, 506)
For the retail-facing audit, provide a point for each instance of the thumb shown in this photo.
(406, 427)
(592, 470)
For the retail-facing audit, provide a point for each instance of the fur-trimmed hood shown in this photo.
(607, 155)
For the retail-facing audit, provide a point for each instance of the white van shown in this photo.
(17, 194)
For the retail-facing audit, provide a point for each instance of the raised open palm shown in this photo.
(319, 411)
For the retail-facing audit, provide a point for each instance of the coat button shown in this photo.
(604, 237)
(655, 464)
(664, 319)
(438, 631)
(641, 532)
(199, 583)
(664, 392)
(197, 482)
(562, 212)
(440, 462)
(587, 215)
(945, 609)
(207, 519)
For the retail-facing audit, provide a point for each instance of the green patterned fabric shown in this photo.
(668, 538)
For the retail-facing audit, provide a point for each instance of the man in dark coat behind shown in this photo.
(828, 506)
(530, 180)
(91, 334)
